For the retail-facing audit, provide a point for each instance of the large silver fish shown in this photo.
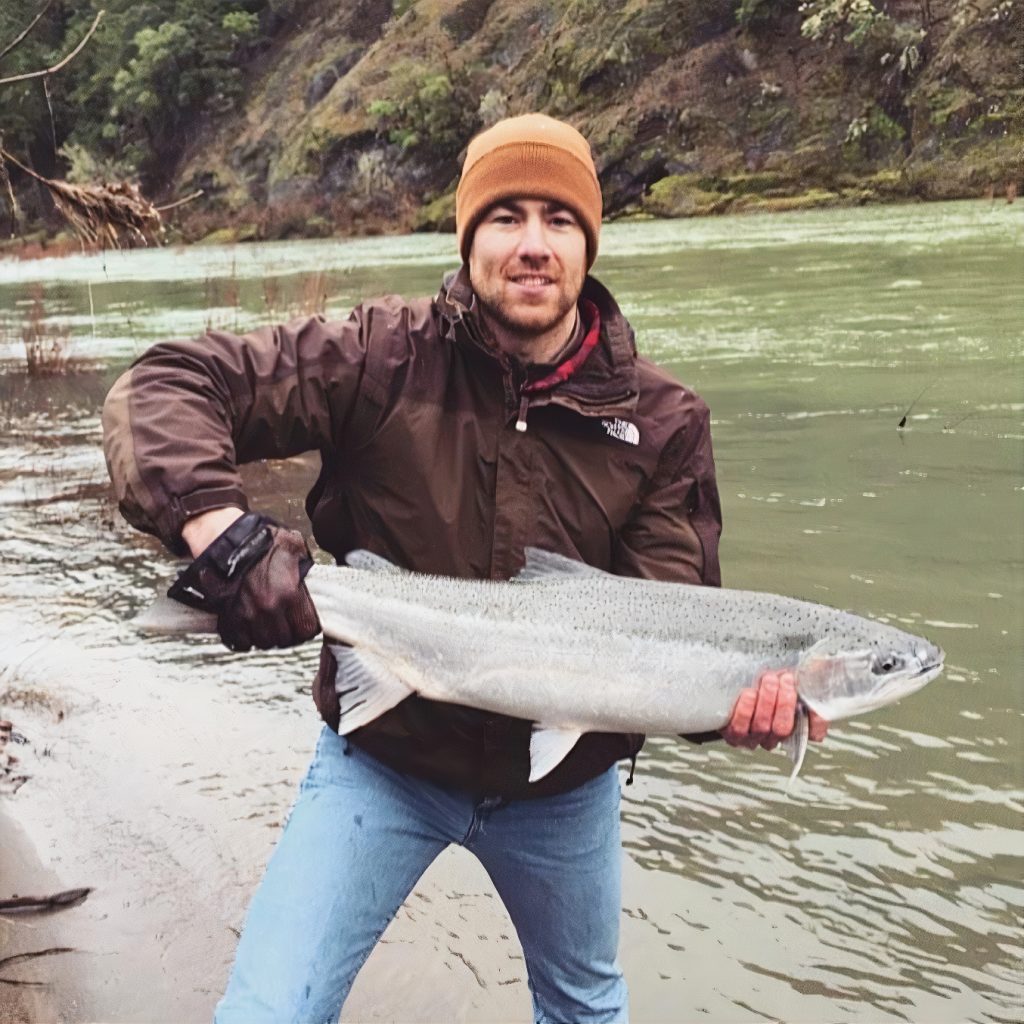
(574, 649)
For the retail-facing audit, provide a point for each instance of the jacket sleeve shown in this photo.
(672, 533)
(177, 424)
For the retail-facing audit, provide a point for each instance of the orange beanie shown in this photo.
(531, 156)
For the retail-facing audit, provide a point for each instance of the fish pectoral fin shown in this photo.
(366, 688)
(360, 558)
(546, 565)
(549, 748)
(795, 744)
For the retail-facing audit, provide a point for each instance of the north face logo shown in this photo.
(622, 430)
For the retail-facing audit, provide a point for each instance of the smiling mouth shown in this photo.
(531, 280)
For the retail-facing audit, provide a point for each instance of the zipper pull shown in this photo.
(524, 404)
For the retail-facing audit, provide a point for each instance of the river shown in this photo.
(884, 885)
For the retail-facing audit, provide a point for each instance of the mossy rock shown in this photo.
(436, 216)
(222, 236)
(318, 226)
(760, 183)
(809, 200)
(886, 184)
(247, 233)
(680, 195)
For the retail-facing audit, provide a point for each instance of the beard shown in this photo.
(524, 320)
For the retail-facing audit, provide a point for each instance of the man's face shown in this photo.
(527, 263)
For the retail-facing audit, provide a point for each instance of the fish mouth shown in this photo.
(928, 672)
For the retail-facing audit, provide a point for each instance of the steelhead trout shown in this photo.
(574, 649)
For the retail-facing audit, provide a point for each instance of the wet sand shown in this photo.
(22, 873)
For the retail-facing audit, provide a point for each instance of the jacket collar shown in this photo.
(607, 382)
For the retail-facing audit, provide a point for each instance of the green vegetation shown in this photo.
(132, 98)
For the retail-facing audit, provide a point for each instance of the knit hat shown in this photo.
(531, 156)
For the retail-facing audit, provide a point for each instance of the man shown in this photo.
(511, 410)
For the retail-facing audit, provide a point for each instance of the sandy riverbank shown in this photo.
(21, 873)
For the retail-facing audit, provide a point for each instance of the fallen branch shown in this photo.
(43, 904)
(179, 202)
(102, 215)
(19, 958)
(56, 67)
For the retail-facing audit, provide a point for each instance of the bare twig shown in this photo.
(31, 25)
(179, 202)
(5, 183)
(56, 67)
(49, 107)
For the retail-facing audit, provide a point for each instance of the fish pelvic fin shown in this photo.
(795, 744)
(360, 558)
(549, 748)
(366, 687)
(546, 565)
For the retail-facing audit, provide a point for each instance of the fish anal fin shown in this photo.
(366, 687)
(795, 744)
(546, 565)
(549, 748)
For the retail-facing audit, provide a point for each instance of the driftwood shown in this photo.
(43, 904)
(20, 958)
(110, 214)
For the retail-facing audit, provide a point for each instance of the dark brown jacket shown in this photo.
(415, 419)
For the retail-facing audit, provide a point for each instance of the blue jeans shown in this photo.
(359, 837)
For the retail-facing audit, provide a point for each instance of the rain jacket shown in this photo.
(425, 460)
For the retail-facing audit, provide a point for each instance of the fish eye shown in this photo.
(886, 663)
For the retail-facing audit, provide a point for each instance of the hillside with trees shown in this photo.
(307, 117)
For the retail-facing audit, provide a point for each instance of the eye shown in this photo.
(563, 220)
(886, 663)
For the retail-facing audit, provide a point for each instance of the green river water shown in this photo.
(886, 884)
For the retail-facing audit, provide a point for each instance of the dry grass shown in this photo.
(308, 297)
(48, 346)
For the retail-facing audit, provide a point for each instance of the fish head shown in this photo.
(838, 680)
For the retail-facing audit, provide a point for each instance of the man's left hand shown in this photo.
(765, 714)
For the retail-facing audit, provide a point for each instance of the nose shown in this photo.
(533, 239)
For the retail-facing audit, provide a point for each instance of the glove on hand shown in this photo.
(251, 577)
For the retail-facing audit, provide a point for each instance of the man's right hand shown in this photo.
(265, 603)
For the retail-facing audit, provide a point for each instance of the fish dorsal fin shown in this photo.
(360, 558)
(546, 565)
(366, 688)
(549, 748)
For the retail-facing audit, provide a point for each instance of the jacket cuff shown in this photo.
(174, 517)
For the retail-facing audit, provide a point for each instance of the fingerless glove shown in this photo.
(251, 578)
